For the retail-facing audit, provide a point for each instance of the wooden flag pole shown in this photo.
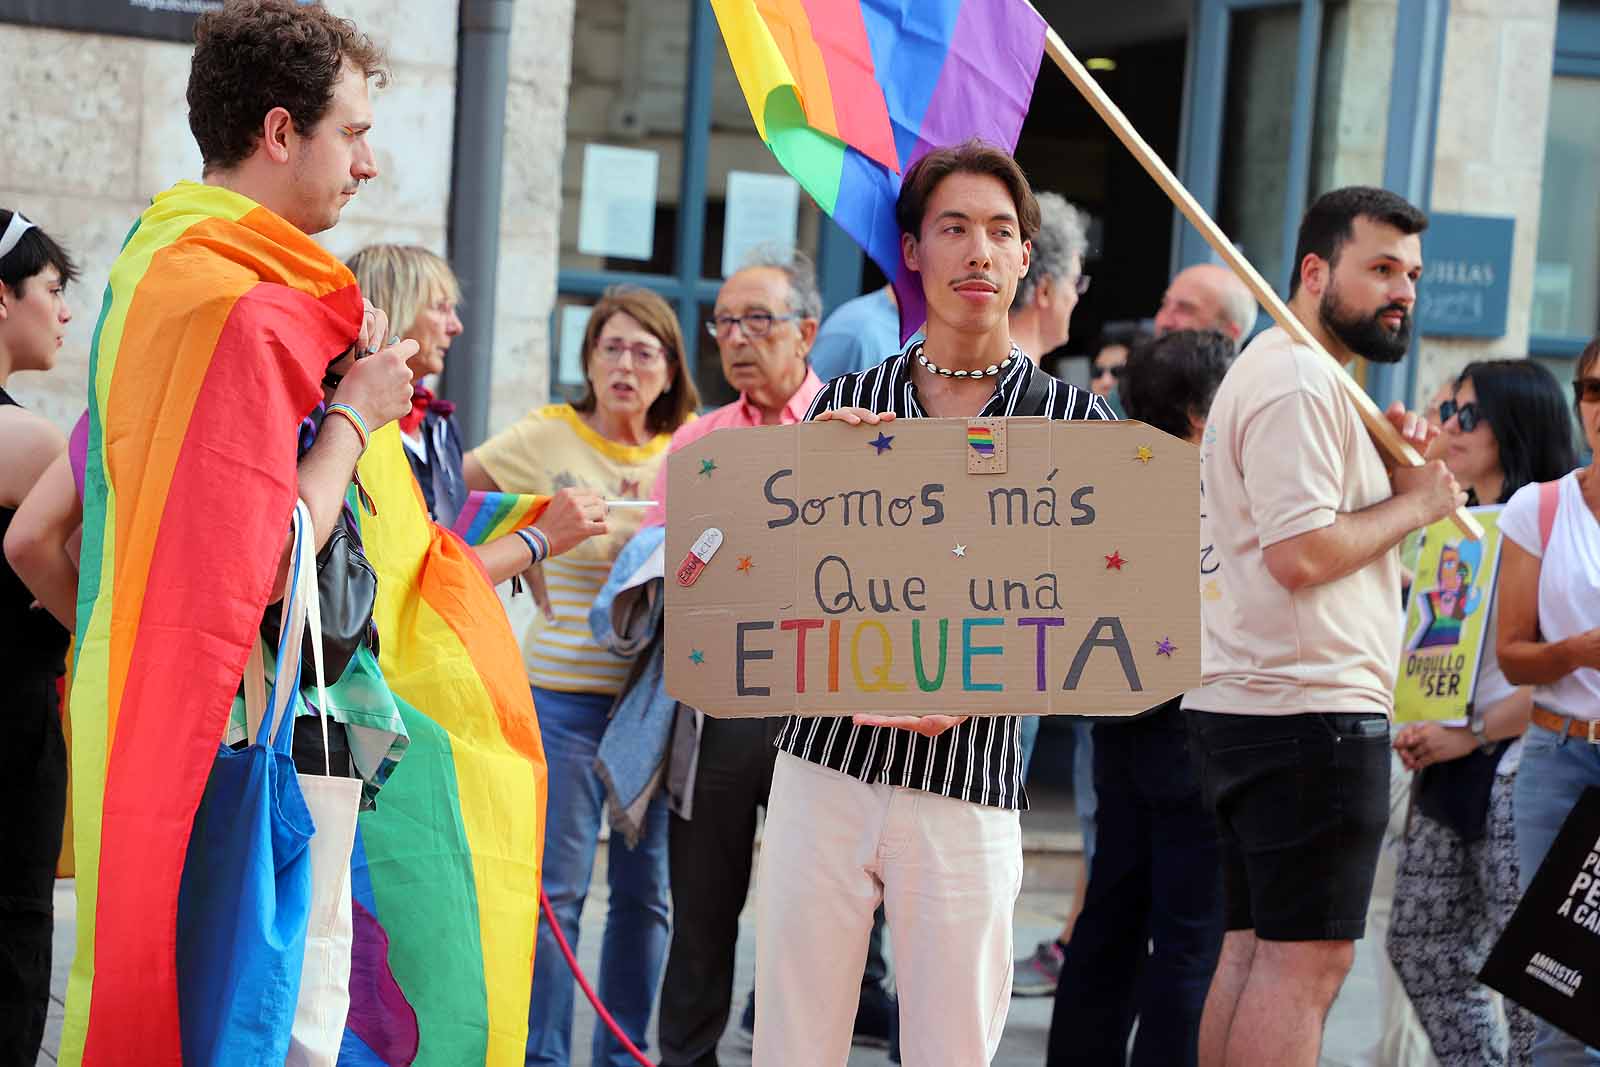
(1383, 433)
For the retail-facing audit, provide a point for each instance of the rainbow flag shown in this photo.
(216, 326)
(486, 516)
(981, 440)
(448, 861)
(849, 93)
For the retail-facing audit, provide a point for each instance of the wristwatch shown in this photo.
(1478, 727)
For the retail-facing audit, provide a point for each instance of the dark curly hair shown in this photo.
(251, 56)
(1175, 376)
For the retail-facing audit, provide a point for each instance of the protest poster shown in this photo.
(1552, 943)
(985, 566)
(1447, 620)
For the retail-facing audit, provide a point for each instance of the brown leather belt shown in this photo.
(1565, 725)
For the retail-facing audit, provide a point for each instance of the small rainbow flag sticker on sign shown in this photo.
(981, 440)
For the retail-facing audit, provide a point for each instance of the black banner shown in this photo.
(1548, 959)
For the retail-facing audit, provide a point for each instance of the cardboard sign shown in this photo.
(864, 569)
(1548, 958)
(1447, 621)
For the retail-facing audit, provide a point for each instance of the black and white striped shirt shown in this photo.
(981, 759)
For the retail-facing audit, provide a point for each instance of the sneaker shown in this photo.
(1037, 975)
(877, 1018)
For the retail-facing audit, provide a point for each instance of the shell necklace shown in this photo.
(988, 372)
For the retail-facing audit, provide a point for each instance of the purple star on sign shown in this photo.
(1166, 647)
(882, 443)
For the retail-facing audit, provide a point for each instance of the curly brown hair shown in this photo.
(251, 56)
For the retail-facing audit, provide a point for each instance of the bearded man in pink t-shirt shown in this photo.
(1300, 610)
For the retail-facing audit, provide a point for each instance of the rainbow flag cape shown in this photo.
(216, 326)
(486, 516)
(448, 861)
(849, 93)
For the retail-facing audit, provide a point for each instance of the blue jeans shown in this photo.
(634, 944)
(1552, 776)
(1082, 771)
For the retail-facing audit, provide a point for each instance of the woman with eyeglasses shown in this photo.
(1549, 639)
(613, 440)
(1504, 427)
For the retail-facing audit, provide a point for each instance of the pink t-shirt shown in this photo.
(737, 415)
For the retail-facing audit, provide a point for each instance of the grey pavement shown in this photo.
(1352, 1034)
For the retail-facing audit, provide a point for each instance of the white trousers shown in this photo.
(947, 872)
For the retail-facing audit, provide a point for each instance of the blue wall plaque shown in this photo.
(1466, 276)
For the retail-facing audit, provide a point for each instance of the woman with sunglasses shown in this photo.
(1505, 428)
(612, 440)
(1549, 639)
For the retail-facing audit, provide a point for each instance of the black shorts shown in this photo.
(1301, 802)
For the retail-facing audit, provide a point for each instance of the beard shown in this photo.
(1366, 335)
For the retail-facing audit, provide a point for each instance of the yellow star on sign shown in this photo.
(1212, 591)
(1144, 455)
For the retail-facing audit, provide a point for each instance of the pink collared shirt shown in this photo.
(737, 415)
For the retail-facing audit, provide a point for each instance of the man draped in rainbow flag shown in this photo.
(220, 322)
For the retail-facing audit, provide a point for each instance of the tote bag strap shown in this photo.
(1549, 502)
(255, 688)
(313, 602)
(286, 672)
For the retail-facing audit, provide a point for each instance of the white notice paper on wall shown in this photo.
(617, 214)
(760, 209)
(574, 320)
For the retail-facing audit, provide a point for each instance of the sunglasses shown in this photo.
(1586, 390)
(1467, 416)
(1100, 371)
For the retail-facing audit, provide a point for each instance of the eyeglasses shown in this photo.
(755, 324)
(1116, 370)
(644, 353)
(1081, 285)
(1467, 416)
(1586, 390)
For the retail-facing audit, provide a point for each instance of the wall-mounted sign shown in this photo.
(164, 20)
(1466, 276)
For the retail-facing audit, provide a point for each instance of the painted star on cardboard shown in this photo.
(959, 552)
(1166, 647)
(707, 466)
(1144, 455)
(697, 657)
(1114, 561)
(744, 565)
(881, 442)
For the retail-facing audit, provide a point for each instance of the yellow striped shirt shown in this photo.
(552, 448)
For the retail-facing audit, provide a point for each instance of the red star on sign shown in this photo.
(744, 564)
(1114, 561)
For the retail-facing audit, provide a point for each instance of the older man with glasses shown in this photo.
(765, 321)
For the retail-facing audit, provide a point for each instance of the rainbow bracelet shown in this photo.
(538, 544)
(353, 417)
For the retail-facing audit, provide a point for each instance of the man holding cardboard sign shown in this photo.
(1300, 609)
(943, 849)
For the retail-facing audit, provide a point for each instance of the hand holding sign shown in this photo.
(926, 725)
(855, 416)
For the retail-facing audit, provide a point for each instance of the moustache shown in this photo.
(977, 277)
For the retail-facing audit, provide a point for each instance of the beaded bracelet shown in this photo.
(353, 417)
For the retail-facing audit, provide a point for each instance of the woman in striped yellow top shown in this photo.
(613, 441)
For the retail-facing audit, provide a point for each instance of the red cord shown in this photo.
(583, 983)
